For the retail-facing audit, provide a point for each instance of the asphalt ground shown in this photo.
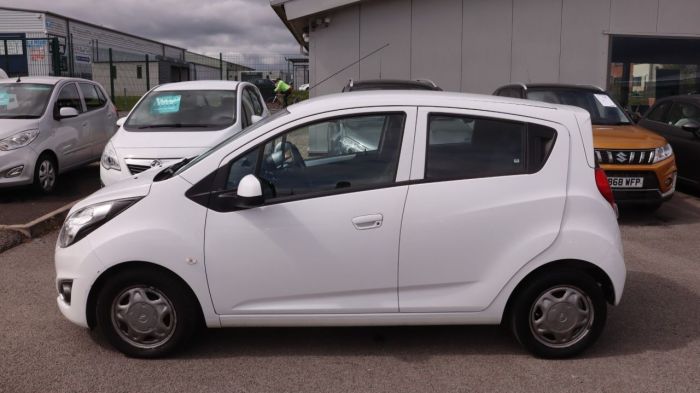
(651, 342)
(20, 205)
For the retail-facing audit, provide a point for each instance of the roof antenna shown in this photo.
(18, 79)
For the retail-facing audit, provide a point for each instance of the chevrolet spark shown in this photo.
(454, 209)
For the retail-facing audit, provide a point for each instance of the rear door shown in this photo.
(480, 206)
(99, 117)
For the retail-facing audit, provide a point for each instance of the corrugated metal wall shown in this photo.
(478, 45)
(21, 22)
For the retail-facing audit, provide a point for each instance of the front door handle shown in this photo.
(368, 222)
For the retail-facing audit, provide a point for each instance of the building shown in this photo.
(44, 43)
(638, 49)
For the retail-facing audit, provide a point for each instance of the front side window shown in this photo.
(682, 113)
(255, 101)
(344, 153)
(92, 98)
(659, 112)
(463, 147)
(184, 110)
(23, 100)
(69, 98)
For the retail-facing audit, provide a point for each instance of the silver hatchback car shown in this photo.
(49, 125)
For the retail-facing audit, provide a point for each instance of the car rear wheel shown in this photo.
(45, 174)
(559, 314)
(146, 314)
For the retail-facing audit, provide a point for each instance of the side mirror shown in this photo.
(255, 118)
(249, 192)
(691, 126)
(67, 112)
(121, 121)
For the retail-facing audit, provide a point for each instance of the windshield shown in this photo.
(184, 110)
(23, 100)
(603, 109)
(280, 113)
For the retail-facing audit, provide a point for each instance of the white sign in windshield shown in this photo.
(605, 100)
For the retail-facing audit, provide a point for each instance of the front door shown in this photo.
(326, 239)
(686, 145)
(482, 205)
(73, 137)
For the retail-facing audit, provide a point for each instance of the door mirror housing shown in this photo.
(249, 192)
(121, 121)
(67, 112)
(254, 119)
(692, 126)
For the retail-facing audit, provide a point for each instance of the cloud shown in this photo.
(202, 26)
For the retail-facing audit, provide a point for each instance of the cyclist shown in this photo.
(281, 87)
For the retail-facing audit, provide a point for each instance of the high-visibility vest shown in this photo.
(281, 87)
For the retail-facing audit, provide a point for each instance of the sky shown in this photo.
(202, 26)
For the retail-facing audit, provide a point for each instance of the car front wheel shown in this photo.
(45, 174)
(559, 314)
(146, 314)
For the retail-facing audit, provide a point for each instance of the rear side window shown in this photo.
(91, 96)
(463, 147)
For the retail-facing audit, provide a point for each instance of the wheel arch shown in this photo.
(90, 309)
(53, 155)
(598, 274)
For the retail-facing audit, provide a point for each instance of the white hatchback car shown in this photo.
(374, 208)
(176, 121)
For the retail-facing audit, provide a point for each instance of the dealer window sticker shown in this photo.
(166, 104)
(605, 100)
(4, 98)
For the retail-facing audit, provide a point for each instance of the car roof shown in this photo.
(392, 84)
(425, 98)
(563, 86)
(200, 85)
(46, 80)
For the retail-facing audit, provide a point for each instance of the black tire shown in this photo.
(529, 305)
(160, 289)
(45, 174)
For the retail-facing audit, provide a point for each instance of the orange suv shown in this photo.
(640, 164)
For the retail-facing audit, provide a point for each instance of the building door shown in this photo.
(13, 54)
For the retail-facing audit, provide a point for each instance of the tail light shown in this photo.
(601, 180)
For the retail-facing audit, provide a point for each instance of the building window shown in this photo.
(139, 72)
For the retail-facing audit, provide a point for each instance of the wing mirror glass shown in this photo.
(121, 121)
(249, 192)
(67, 112)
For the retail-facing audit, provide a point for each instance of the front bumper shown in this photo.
(10, 161)
(659, 182)
(71, 264)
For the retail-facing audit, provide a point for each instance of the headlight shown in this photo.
(82, 222)
(109, 158)
(662, 153)
(18, 140)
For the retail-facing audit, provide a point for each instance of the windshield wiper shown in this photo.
(174, 125)
(170, 171)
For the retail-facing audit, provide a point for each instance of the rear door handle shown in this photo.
(368, 222)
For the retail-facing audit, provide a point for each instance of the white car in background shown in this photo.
(455, 209)
(3, 74)
(176, 121)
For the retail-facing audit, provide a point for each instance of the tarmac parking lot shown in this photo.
(651, 342)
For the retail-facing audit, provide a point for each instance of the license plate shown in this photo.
(626, 182)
